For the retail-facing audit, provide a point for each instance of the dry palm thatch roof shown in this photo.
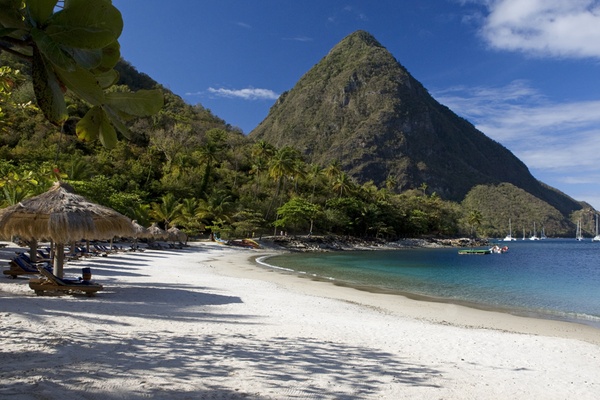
(62, 216)
(175, 234)
(157, 232)
(139, 231)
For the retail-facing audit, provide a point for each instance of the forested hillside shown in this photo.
(189, 168)
(361, 106)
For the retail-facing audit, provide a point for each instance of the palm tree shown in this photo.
(282, 165)
(368, 190)
(258, 167)
(390, 182)
(475, 217)
(217, 207)
(208, 154)
(333, 170)
(313, 175)
(299, 172)
(167, 210)
(343, 184)
(187, 217)
(79, 170)
(263, 150)
(141, 213)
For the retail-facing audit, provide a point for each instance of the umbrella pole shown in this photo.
(59, 259)
(33, 250)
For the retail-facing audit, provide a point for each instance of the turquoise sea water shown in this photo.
(553, 278)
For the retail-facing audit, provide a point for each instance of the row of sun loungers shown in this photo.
(46, 281)
(165, 246)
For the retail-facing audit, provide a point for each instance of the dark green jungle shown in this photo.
(358, 147)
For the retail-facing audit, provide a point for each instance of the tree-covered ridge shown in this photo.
(186, 167)
(361, 106)
(504, 202)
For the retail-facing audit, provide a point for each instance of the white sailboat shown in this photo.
(509, 237)
(534, 237)
(597, 237)
(543, 235)
(578, 235)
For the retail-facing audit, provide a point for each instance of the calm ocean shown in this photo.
(552, 278)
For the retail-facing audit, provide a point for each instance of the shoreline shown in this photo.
(438, 311)
(334, 243)
(524, 313)
(208, 322)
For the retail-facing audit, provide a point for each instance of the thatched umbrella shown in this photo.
(139, 232)
(175, 234)
(157, 232)
(62, 216)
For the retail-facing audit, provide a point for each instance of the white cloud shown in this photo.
(356, 13)
(243, 25)
(246, 94)
(559, 142)
(300, 39)
(559, 28)
(546, 136)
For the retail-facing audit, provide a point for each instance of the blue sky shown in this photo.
(524, 72)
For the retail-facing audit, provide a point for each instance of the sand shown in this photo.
(207, 322)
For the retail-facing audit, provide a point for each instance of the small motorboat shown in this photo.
(498, 250)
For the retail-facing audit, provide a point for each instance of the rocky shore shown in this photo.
(313, 243)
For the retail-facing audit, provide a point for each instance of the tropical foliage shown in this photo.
(73, 45)
(185, 167)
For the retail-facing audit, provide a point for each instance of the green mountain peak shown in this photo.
(358, 105)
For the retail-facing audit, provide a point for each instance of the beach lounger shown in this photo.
(155, 246)
(102, 250)
(49, 282)
(22, 265)
(43, 255)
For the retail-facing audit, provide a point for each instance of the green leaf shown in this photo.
(48, 91)
(140, 104)
(107, 79)
(86, 58)
(39, 10)
(86, 24)
(84, 84)
(88, 127)
(10, 17)
(108, 135)
(115, 119)
(110, 56)
(7, 31)
(52, 50)
(96, 125)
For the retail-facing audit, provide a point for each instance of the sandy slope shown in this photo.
(205, 323)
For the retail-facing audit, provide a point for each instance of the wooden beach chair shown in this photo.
(49, 282)
(22, 265)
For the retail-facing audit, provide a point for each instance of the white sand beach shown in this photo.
(206, 322)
